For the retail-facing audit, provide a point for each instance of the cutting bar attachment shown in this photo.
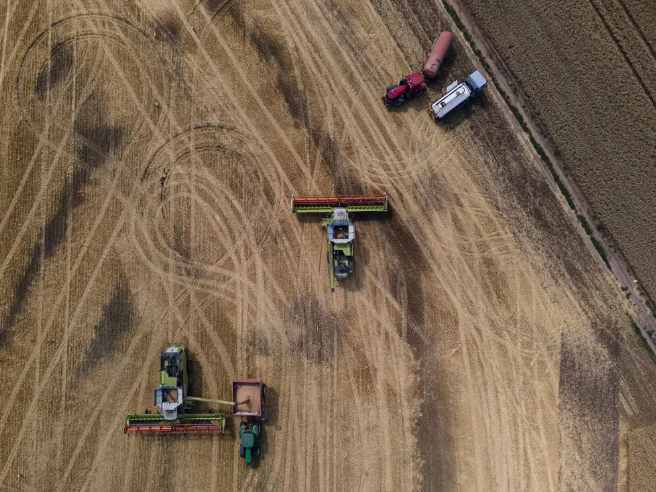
(154, 424)
(352, 203)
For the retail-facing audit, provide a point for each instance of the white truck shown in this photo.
(456, 94)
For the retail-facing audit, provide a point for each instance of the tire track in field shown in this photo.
(7, 61)
(193, 148)
(245, 82)
(77, 264)
(107, 30)
(101, 153)
(216, 74)
(457, 274)
(388, 142)
(192, 152)
(43, 141)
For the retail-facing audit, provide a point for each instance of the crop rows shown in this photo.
(588, 75)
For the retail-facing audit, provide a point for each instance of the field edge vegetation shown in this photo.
(547, 161)
(522, 123)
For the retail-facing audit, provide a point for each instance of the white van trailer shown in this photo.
(456, 94)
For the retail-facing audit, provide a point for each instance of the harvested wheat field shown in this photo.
(149, 151)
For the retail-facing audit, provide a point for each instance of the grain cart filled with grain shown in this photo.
(339, 225)
(457, 94)
(173, 397)
(437, 55)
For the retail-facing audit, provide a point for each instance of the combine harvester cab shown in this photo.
(339, 225)
(457, 94)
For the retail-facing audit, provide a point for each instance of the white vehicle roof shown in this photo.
(451, 100)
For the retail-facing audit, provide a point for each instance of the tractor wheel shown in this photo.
(242, 452)
(242, 428)
(390, 88)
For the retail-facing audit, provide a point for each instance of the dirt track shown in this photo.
(587, 73)
(148, 156)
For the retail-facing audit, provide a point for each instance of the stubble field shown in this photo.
(149, 149)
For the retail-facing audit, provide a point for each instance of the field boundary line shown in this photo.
(609, 257)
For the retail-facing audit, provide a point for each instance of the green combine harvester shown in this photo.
(339, 225)
(174, 399)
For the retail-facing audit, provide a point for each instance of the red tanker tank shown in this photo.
(438, 53)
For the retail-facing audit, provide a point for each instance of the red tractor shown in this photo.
(410, 86)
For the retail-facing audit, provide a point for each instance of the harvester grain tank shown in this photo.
(438, 53)
(410, 86)
(173, 397)
(340, 228)
(457, 94)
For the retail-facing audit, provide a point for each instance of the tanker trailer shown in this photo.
(438, 53)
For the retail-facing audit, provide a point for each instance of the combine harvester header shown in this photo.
(153, 424)
(327, 204)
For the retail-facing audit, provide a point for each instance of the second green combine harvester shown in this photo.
(339, 225)
(173, 397)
